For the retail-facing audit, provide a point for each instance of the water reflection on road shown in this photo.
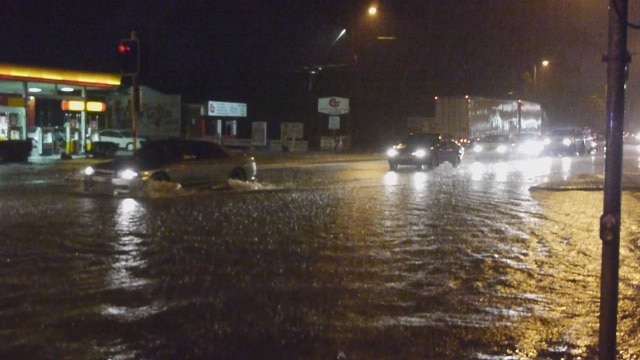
(317, 262)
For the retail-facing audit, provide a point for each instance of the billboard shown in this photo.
(333, 105)
(219, 108)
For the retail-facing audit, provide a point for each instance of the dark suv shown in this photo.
(425, 150)
(572, 141)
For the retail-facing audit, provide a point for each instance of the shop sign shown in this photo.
(11, 101)
(218, 108)
(333, 105)
(72, 105)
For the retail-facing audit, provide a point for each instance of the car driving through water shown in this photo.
(492, 147)
(526, 145)
(571, 141)
(187, 162)
(425, 150)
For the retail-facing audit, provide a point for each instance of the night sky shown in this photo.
(255, 51)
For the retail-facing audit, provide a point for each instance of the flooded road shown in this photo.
(328, 261)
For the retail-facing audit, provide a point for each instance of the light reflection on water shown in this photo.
(127, 255)
(130, 224)
(448, 263)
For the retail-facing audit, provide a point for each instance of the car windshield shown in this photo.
(495, 138)
(160, 153)
(421, 139)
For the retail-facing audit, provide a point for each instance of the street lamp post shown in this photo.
(371, 12)
(544, 64)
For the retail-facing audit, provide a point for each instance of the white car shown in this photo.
(186, 162)
(124, 138)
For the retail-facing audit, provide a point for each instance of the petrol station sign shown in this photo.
(333, 105)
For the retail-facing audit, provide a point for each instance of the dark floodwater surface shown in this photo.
(319, 262)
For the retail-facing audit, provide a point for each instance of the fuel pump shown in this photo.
(92, 133)
(73, 134)
(4, 127)
(15, 130)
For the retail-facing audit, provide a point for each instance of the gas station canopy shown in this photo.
(47, 81)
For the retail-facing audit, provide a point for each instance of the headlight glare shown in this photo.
(566, 141)
(501, 149)
(127, 174)
(89, 171)
(392, 152)
(420, 153)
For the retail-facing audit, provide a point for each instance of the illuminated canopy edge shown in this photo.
(50, 75)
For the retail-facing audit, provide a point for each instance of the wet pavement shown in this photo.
(327, 256)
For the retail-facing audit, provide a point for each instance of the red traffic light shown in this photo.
(124, 49)
(129, 52)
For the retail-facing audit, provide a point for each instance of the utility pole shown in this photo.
(617, 60)
(135, 98)
(129, 50)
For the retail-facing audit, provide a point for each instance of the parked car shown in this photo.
(425, 150)
(495, 147)
(571, 141)
(187, 162)
(124, 138)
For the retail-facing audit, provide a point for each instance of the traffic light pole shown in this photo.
(617, 60)
(135, 90)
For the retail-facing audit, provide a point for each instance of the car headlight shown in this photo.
(392, 152)
(501, 149)
(127, 174)
(420, 153)
(566, 141)
(89, 171)
(546, 141)
(477, 148)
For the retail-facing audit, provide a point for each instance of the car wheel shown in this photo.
(129, 147)
(237, 174)
(160, 176)
(456, 161)
(433, 163)
(393, 166)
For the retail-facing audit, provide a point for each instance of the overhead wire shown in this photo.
(614, 5)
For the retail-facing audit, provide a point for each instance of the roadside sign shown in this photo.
(334, 122)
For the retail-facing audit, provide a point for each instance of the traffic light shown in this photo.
(129, 51)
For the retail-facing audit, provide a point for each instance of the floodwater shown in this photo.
(334, 261)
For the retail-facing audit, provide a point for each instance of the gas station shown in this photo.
(58, 109)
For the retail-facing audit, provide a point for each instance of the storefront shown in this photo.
(221, 120)
(12, 118)
(44, 103)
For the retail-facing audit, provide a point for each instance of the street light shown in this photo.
(357, 35)
(544, 64)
